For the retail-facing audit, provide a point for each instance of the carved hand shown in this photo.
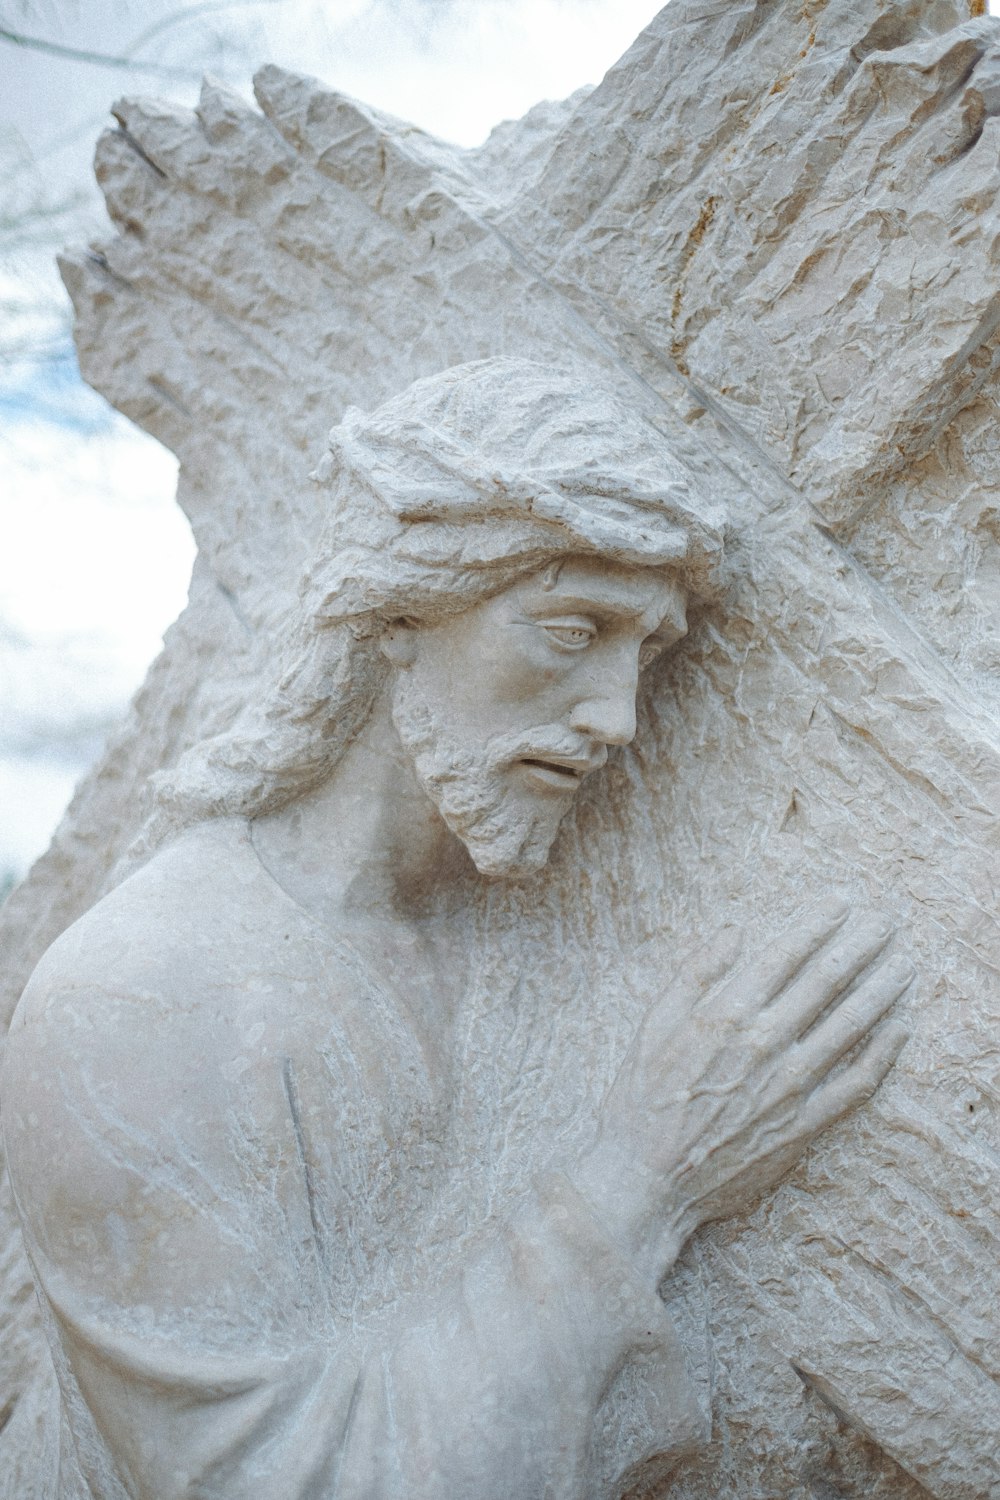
(734, 1072)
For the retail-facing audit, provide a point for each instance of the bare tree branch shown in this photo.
(189, 12)
(98, 59)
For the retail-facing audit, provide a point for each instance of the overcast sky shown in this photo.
(95, 555)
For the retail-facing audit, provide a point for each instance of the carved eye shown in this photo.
(573, 635)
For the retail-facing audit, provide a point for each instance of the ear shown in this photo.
(398, 643)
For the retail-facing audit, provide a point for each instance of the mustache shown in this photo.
(555, 745)
(422, 733)
(503, 750)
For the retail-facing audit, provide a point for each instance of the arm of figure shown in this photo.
(196, 1353)
(186, 1338)
(734, 1072)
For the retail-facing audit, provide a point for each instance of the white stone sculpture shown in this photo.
(245, 1055)
(770, 234)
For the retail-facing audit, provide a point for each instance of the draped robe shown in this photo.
(228, 1147)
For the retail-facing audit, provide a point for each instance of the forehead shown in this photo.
(644, 594)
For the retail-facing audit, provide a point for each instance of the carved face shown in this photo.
(505, 709)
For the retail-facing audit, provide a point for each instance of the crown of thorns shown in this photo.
(472, 477)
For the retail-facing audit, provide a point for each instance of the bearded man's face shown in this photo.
(506, 708)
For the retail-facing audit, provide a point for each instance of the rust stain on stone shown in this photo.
(678, 346)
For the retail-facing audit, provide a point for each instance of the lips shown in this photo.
(561, 773)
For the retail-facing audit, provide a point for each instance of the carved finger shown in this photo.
(856, 1083)
(774, 970)
(830, 973)
(709, 964)
(698, 975)
(851, 1021)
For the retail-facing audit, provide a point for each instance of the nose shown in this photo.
(607, 713)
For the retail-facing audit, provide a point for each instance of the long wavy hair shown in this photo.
(443, 496)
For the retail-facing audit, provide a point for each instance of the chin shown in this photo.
(512, 853)
(494, 865)
(507, 828)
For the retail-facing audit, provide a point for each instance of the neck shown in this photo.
(368, 844)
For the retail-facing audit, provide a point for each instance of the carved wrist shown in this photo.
(632, 1205)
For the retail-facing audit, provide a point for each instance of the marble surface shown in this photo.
(770, 234)
(245, 1056)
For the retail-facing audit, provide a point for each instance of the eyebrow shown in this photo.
(612, 603)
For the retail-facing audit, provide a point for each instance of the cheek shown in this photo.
(530, 678)
(512, 666)
(478, 688)
(499, 677)
(526, 671)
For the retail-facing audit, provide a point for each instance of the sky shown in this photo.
(95, 556)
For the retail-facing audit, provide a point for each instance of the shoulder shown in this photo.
(203, 895)
(153, 998)
(146, 1030)
(168, 1058)
(184, 929)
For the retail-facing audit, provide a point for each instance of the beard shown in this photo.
(506, 830)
